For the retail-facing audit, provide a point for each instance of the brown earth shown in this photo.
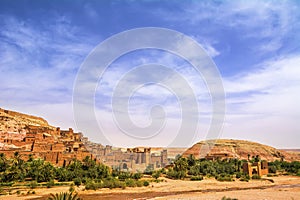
(240, 149)
(284, 187)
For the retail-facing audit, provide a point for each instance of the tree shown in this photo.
(3, 162)
(156, 174)
(191, 160)
(180, 164)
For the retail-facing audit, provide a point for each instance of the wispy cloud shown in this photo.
(264, 102)
(38, 65)
(265, 20)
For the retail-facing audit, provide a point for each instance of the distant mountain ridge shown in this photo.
(240, 149)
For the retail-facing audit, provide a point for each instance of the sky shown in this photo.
(255, 46)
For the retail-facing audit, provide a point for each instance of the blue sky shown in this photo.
(254, 44)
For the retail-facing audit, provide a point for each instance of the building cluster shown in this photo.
(60, 147)
(129, 159)
(57, 146)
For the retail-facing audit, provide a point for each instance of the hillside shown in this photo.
(15, 122)
(240, 149)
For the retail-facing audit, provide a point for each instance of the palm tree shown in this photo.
(191, 160)
(64, 196)
(3, 162)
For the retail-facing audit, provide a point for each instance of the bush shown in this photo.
(113, 183)
(238, 175)
(146, 183)
(197, 178)
(272, 169)
(124, 175)
(245, 177)
(91, 185)
(255, 176)
(139, 183)
(224, 177)
(130, 183)
(137, 176)
(156, 174)
(33, 184)
(77, 181)
(50, 184)
(175, 174)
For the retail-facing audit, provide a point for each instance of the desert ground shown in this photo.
(284, 187)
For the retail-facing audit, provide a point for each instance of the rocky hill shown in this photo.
(15, 122)
(239, 149)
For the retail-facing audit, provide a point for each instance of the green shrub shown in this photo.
(255, 176)
(91, 185)
(77, 181)
(124, 175)
(33, 184)
(139, 183)
(137, 176)
(224, 177)
(130, 183)
(197, 178)
(245, 177)
(113, 183)
(176, 174)
(156, 174)
(272, 169)
(146, 183)
(238, 175)
(50, 184)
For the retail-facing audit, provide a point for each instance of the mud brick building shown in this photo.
(258, 168)
(57, 146)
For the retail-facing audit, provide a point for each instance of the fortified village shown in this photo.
(33, 136)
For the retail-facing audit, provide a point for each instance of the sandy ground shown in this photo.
(285, 187)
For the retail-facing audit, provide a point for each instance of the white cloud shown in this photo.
(264, 103)
(38, 64)
(268, 21)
